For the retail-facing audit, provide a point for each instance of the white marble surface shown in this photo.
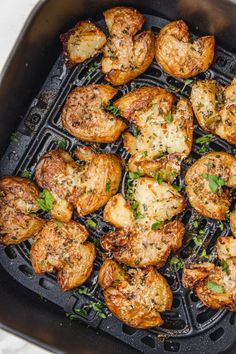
(13, 14)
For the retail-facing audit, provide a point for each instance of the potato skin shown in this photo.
(83, 41)
(17, 204)
(215, 108)
(139, 246)
(85, 187)
(126, 54)
(212, 205)
(197, 276)
(178, 56)
(63, 248)
(165, 143)
(150, 292)
(84, 116)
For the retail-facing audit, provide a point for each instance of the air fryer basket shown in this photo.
(189, 326)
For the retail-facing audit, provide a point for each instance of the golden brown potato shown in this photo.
(62, 247)
(137, 296)
(84, 115)
(207, 182)
(82, 42)
(178, 55)
(126, 54)
(215, 108)
(233, 222)
(17, 207)
(87, 186)
(139, 246)
(214, 285)
(165, 131)
(150, 202)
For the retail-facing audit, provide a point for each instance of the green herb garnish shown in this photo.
(157, 225)
(14, 138)
(112, 109)
(203, 139)
(136, 261)
(96, 242)
(211, 285)
(91, 223)
(214, 182)
(224, 266)
(45, 200)
(134, 175)
(136, 132)
(95, 306)
(204, 254)
(59, 223)
(81, 291)
(61, 143)
(108, 185)
(158, 178)
(186, 83)
(169, 117)
(221, 225)
(176, 263)
(144, 153)
(27, 174)
(177, 188)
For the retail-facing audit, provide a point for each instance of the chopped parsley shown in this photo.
(196, 233)
(27, 174)
(59, 223)
(177, 188)
(136, 132)
(45, 200)
(81, 291)
(134, 175)
(96, 242)
(214, 182)
(157, 225)
(91, 223)
(144, 153)
(95, 306)
(224, 266)
(176, 263)
(211, 285)
(112, 109)
(220, 225)
(204, 254)
(108, 185)
(186, 83)
(158, 178)
(61, 143)
(136, 261)
(169, 117)
(14, 138)
(204, 139)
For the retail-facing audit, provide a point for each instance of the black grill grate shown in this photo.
(189, 326)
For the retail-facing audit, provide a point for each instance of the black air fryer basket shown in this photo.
(32, 305)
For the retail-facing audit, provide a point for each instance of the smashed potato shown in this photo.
(87, 187)
(17, 207)
(215, 108)
(84, 114)
(82, 42)
(207, 182)
(178, 55)
(233, 222)
(126, 54)
(139, 246)
(165, 131)
(62, 247)
(137, 296)
(215, 285)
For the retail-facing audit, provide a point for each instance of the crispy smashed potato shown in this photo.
(150, 201)
(165, 131)
(207, 182)
(17, 207)
(87, 187)
(139, 246)
(84, 115)
(215, 108)
(62, 247)
(82, 42)
(142, 238)
(137, 296)
(126, 54)
(233, 222)
(178, 55)
(215, 285)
